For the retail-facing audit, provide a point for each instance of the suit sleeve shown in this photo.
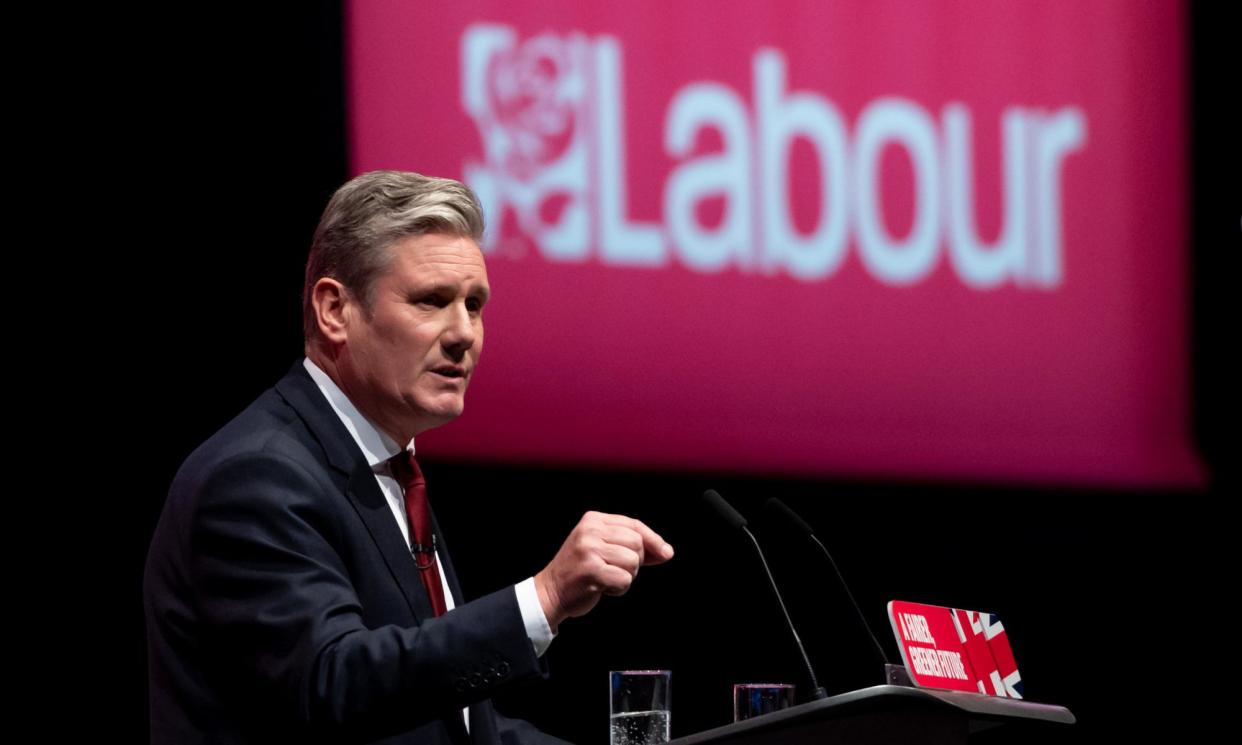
(276, 596)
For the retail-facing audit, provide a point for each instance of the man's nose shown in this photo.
(460, 332)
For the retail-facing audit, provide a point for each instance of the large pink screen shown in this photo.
(898, 239)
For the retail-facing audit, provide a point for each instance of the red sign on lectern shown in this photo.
(959, 650)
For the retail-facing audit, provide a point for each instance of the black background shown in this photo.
(221, 138)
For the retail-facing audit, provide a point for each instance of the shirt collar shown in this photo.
(377, 446)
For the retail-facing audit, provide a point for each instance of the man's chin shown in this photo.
(443, 412)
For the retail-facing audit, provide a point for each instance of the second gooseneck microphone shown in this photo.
(795, 520)
(736, 521)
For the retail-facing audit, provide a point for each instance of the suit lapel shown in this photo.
(359, 483)
(446, 564)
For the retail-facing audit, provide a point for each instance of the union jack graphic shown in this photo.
(987, 647)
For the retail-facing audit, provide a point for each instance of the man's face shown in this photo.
(407, 365)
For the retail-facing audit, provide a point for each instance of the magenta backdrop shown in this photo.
(899, 239)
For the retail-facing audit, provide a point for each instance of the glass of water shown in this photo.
(639, 707)
(756, 699)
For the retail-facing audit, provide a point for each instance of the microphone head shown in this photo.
(780, 508)
(724, 509)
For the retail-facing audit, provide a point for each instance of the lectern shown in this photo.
(887, 714)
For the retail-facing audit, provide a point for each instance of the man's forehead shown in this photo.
(442, 257)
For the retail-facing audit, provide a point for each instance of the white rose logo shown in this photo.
(528, 102)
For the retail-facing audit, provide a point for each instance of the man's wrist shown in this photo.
(548, 600)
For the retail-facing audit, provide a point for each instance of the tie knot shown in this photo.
(405, 469)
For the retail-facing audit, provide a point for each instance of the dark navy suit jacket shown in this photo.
(283, 605)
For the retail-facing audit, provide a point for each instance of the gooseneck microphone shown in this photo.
(802, 526)
(735, 520)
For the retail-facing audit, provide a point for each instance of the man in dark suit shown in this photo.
(297, 589)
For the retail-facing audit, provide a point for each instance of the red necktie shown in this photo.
(418, 512)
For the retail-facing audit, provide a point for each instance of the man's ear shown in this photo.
(331, 302)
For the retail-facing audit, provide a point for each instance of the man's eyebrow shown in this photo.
(483, 292)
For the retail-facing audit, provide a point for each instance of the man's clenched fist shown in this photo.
(601, 556)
